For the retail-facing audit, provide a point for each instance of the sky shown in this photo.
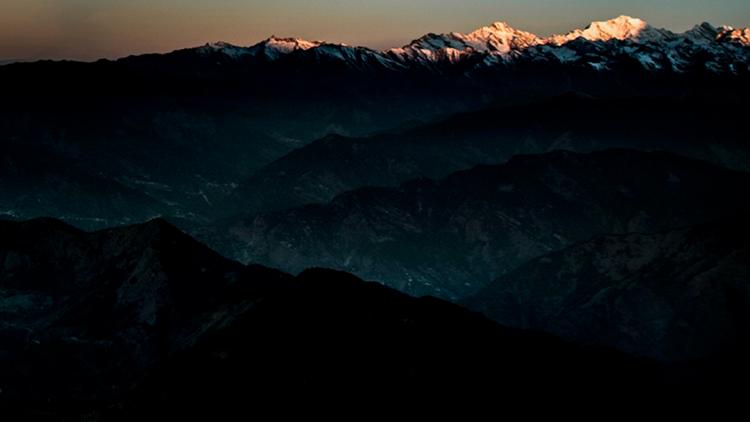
(91, 29)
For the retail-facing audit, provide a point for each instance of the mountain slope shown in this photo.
(450, 237)
(143, 320)
(327, 167)
(678, 295)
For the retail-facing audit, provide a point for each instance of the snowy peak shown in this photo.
(288, 45)
(498, 28)
(222, 47)
(620, 28)
(274, 47)
(737, 36)
(432, 48)
(218, 46)
(601, 45)
(499, 37)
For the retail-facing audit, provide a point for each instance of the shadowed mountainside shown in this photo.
(451, 237)
(327, 167)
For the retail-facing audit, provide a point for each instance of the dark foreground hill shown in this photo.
(143, 320)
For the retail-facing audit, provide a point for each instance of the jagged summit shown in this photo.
(275, 47)
(218, 45)
(272, 47)
(287, 45)
(499, 37)
(620, 28)
(500, 43)
(500, 26)
(223, 47)
(739, 36)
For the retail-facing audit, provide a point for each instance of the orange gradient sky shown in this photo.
(90, 29)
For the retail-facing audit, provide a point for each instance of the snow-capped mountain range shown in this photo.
(598, 46)
(275, 48)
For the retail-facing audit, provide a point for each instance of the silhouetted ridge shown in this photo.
(130, 321)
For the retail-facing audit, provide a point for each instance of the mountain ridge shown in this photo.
(500, 40)
(140, 318)
(597, 46)
(444, 237)
(499, 34)
(318, 171)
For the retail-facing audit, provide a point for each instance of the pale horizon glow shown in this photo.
(92, 29)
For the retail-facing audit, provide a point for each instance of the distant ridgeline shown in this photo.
(621, 56)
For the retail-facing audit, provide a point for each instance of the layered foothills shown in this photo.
(581, 199)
